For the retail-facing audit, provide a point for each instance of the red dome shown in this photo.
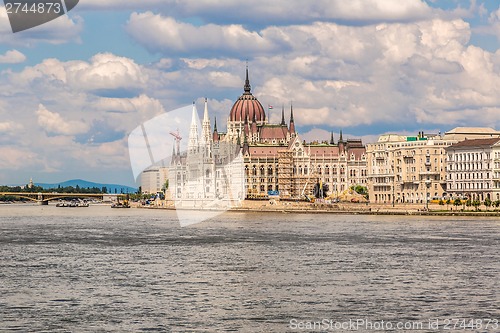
(247, 106)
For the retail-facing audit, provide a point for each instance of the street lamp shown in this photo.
(393, 189)
(427, 185)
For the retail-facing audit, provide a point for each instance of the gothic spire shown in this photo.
(247, 86)
(340, 138)
(282, 115)
(332, 142)
(215, 135)
(292, 124)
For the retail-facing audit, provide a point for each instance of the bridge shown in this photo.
(44, 198)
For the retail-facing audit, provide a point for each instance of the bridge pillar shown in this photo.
(43, 203)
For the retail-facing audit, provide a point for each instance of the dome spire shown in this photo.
(247, 86)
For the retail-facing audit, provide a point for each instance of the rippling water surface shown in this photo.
(97, 269)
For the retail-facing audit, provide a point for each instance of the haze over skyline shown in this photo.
(73, 89)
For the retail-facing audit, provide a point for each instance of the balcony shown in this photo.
(424, 173)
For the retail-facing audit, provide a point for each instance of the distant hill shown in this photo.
(111, 188)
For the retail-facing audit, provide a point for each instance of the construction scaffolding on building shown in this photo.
(285, 174)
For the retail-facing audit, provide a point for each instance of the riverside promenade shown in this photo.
(299, 207)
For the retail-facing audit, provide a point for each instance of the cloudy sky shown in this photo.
(73, 89)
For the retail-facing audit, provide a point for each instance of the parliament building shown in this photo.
(274, 159)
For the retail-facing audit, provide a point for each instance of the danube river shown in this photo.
(102, 270)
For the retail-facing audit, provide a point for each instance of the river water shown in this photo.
(101, 270)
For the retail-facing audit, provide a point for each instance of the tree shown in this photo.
(457, 202)
(360, 189)
(487, 203)
(441, 202)
(448, 202)
(476, 204)
(468, 203)
(164, 188)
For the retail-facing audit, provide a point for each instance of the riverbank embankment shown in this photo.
(300, 207)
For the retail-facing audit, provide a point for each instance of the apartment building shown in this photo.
(413, 169)
(473, 169)
(407, 169)
(496, 170)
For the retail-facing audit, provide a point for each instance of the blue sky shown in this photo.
(73, 89)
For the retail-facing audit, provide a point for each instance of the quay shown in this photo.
(342, 208)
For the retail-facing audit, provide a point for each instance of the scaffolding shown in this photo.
(285, 174)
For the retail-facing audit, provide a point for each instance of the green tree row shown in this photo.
(471, 203)
(59, 189)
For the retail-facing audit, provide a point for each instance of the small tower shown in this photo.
(332, 142)
(253, 128)
(193, 132)
(206, 124)
(206, 135)
(215, 136)
(283, 116)
(341, 143)
(292, 123)
(245, 147)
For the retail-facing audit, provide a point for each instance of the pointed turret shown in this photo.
(193, 132)
(245, 147)
(283, 116)
(206, 124)
(292, 123)
(246, 126)
(341, 143)
(215, 136)
(332, 142)
(254, 125)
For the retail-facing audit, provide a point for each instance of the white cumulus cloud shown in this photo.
(165, 34)
(12, 57)
(53, 122)
(61, 30)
